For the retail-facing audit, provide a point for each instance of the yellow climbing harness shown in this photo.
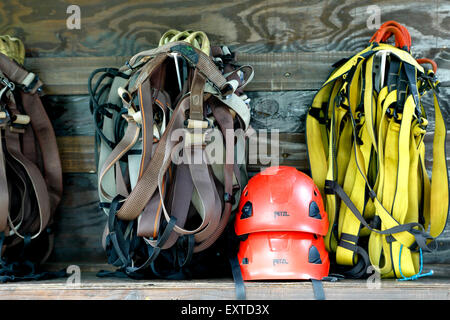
(365, 137)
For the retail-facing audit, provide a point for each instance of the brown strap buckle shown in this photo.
(195, 139)
(18, 123)
(4, 119)
(196, 132)
(197, 124)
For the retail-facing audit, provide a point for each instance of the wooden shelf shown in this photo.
(91, 287)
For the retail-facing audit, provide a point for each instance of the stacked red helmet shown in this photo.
(281, 223)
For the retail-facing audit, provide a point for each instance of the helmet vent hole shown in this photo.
(247, 210)
(245, 261)
(314, 256)
(246, 193)
(314, 211)
(315, 192)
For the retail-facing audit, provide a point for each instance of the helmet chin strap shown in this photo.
(319, 293)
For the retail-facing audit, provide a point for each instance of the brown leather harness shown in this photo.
(170, 204)
(30, 169)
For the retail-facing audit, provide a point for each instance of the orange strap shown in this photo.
(426, 60)
(402, 39)
(405, 32)
(389, 28)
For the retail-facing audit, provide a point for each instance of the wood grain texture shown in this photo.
(120, 27)
(79, 223)
(284, 111)
(77, 153)
(70, 115)
(93, 288)
(69, 75)
(281, 110)
(273, 71)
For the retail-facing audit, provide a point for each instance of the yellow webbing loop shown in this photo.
(198, 39)
(13, 48)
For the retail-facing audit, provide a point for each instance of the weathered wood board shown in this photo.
(80, 222)
(282, 110)
(273, 71)
(121, 28)
(93, 288)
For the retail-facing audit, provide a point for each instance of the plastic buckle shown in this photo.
(4, 118)
(229, 198)
(19, 122)
(196, 132)
(126, 98)
(329, 187)
(30, 82)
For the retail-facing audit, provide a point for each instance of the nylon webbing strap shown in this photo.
(332, 185)
(319, 293)
(155, 249)
(148, 182)
(238, 280)
(45, 135)
(128, 141)
(146, 108)
(225, 121)
(4, 194)
(196, 97)
(37, 181)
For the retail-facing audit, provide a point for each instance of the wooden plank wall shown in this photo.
(292, 45)
(117, 27)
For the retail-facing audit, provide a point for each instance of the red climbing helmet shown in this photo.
(281, 223)
(281, 199)
(283, 255)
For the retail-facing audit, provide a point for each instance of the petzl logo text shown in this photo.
(280, 214)
(280, 261)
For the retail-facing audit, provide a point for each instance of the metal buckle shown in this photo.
(8, 85)
(18, 123)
